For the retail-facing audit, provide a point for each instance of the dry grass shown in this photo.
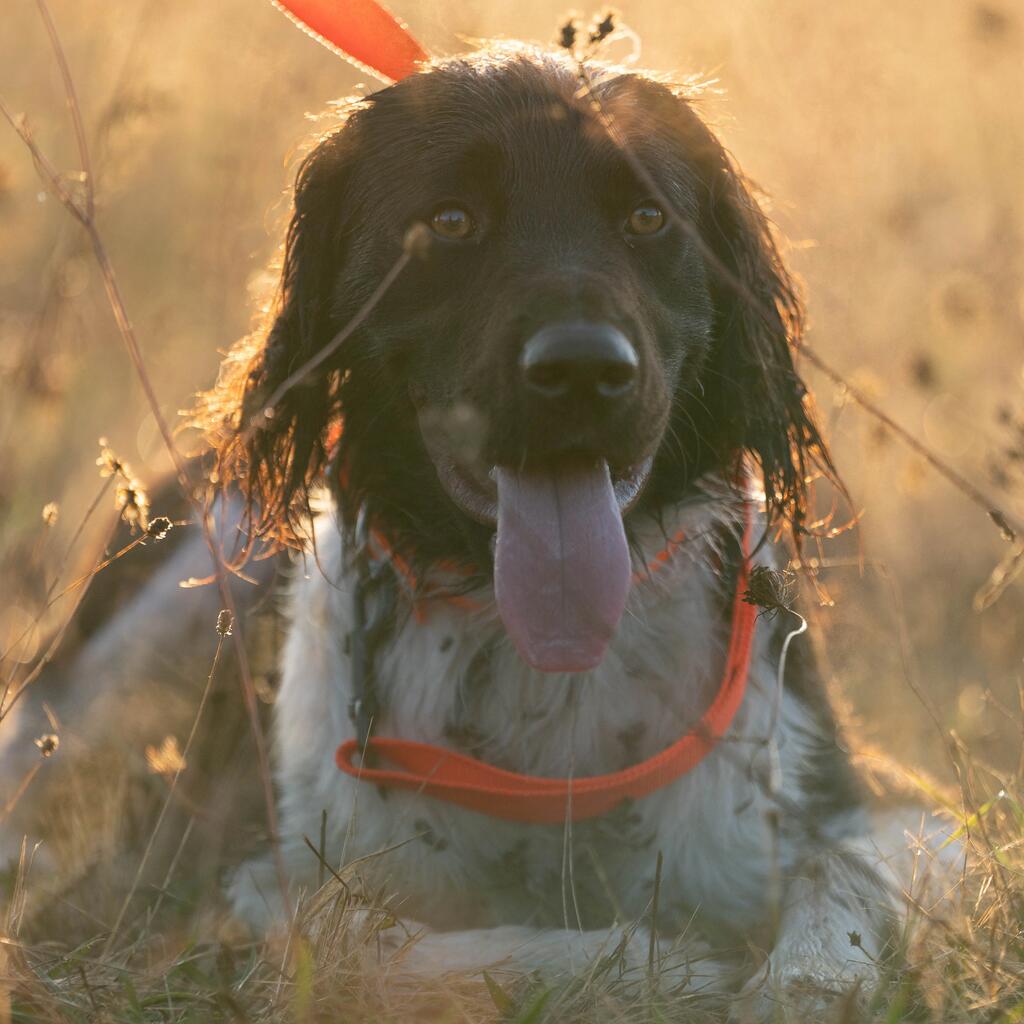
(890, 134)
(965, 963)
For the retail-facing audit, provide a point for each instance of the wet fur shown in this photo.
(715, 318)
(479, 892)
(716, 323)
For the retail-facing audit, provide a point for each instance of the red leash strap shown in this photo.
(477, 786)
(362, 31)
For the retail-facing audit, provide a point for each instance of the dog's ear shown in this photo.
(762, 406)
(273, 444)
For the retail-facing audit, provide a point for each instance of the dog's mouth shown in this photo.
(561, 563)
(476, 493)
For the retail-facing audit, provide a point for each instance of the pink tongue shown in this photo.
(561, 568)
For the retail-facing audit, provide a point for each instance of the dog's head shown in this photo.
(589, 313)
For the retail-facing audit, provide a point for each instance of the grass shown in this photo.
(964, 962)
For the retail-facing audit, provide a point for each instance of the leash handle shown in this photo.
(364, 32)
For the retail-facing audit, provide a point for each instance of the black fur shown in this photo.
(711, 311)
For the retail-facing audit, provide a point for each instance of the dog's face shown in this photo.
(588, 322)
(557, 309)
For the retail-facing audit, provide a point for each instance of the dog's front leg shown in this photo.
(834, 926)
(619, 956)
(409, 949)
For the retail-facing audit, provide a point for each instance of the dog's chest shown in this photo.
(454, 680)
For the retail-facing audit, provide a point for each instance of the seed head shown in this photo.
(417, 241)
(109, 463)
(158, 528)
(603, 28)
(225, 623)
(167, 759)
(1006, 531)
(48, 744)
(51, 513)
(133, 504)
(770, 589)
(567, 34)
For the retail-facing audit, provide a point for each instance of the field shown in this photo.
(889, 138)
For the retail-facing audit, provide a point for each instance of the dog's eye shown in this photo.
(646, 219)
(453, 222)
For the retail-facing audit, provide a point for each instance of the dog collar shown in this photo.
(477, 786)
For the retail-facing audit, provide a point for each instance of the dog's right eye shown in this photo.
(453, 222)
(646, 219)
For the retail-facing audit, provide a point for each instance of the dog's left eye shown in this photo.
(454, 222)
(646, 219)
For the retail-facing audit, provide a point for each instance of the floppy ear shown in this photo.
(763, 406)
(275, 455)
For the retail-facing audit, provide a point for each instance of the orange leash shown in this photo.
(458, 779)
(363, 31)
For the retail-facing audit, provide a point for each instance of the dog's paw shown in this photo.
(802, 990)
(254, 892)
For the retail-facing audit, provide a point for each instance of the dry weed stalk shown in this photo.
(133, 506)
(84, 213)
(603, 30)
(224, 627)
(994, 905)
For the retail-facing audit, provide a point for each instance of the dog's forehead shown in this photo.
(525, 113)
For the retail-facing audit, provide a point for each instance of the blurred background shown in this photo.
(889, 137)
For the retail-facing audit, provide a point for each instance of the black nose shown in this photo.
(588, 360)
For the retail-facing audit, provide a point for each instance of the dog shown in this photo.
(587, 353)
(535, 343)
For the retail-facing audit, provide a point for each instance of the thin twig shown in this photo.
(119, 309)
(73, 107)
(171, 868)
(182, 764)
(655, 897)
(75, 538)
(26, 781)
(334, 344)
(685, 224)
(943, 468)
(51, 651)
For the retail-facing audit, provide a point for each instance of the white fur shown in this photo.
(723, 856)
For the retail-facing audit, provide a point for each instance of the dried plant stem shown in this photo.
(5, 704)
(85, 216)
(691, 231)
(171, 868)
(1001, 577)
(84, 580)
(943, 468)
(75, 539)
(100, 566)
(73, 106)
(182, 764)
(652, 944)
(334, 344)
(568, 880)
(26, 781)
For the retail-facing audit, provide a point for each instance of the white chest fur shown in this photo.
(455, 679)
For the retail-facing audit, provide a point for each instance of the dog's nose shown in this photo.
(586, 360)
